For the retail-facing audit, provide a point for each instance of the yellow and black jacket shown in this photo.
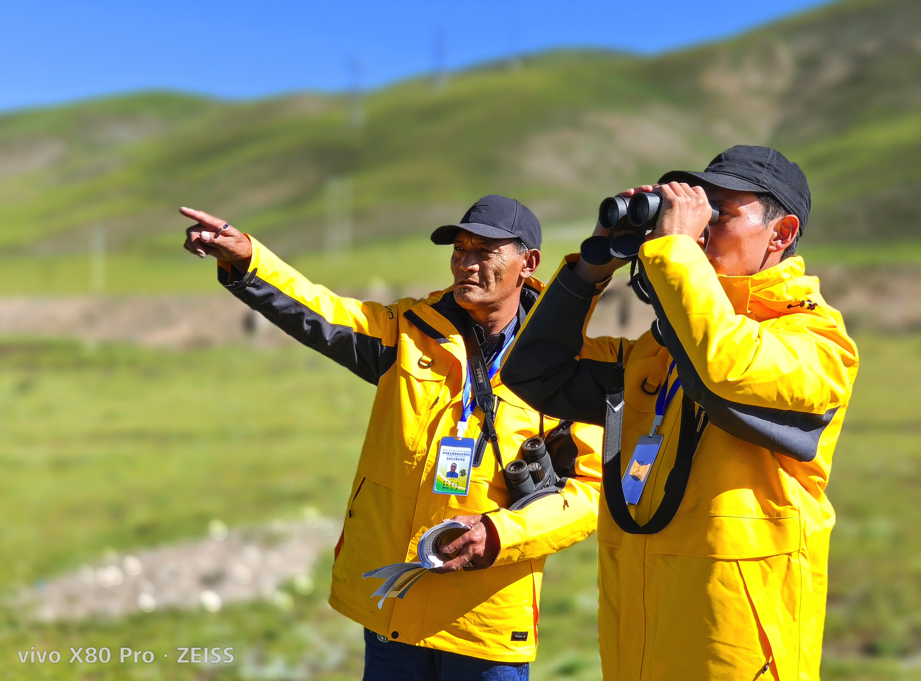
(734, 587)
(414, 352)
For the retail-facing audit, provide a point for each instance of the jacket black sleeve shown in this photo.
(552, 366)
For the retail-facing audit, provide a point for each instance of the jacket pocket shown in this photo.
(339, 544)
(377, 529)
(778, 589)
(421, 377)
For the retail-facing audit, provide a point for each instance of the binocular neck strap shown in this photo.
(612, 480)
(482, 388)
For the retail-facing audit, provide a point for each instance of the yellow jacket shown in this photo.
(736, 583)
(413, 351)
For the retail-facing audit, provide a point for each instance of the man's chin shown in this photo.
(465, 295)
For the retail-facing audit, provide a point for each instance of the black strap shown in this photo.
(482, 389)
(677, 481)
(529, 499)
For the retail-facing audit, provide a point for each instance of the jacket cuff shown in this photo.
(659, 253)
(232, 278)
(511, 528)
(575, 284)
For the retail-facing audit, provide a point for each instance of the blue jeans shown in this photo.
(392, 661)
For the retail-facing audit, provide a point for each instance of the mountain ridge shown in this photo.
(835, 89)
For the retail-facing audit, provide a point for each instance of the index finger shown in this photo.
(202, 217)
(636, 190)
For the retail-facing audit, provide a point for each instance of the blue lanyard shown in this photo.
(467, 399)
(664, 399)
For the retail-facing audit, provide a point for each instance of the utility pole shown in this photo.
(357, 114)
(514, 62)
(441, 70)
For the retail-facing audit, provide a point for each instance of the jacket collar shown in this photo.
(441, 317)
(782, 283)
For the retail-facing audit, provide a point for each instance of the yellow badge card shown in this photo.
(639, 466)
(639, 471)
(454, 464)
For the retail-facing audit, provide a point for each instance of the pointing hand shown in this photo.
(213, 236)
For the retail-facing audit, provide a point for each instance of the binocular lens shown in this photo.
(612, 212)
(518, 478)
(643, 208)
(534, 452)
(517, 469)
(533, 448)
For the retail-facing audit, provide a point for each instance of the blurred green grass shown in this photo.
(125, 447)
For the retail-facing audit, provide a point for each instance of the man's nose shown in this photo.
(469, 262)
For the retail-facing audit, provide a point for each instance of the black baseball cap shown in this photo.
(755, 169)
(495, 217)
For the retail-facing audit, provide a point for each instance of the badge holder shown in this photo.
(648, 446)
(454, 465)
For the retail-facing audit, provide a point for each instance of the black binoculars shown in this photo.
(532, 472)
(633, 218)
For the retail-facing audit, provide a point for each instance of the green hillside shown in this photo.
(836, 90)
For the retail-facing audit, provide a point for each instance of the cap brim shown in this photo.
(716, 179)
(447, 233)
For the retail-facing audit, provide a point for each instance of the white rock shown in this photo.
(210, 601)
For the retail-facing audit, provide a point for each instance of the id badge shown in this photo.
(454, 464)
(639, 467)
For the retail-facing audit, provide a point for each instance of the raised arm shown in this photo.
(552, 366)
(361, 336)
(777, 383)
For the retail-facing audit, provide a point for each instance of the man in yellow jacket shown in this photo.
(478, 618)
(721, 424)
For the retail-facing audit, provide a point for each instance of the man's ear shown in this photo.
(531, 261)
(785, 232)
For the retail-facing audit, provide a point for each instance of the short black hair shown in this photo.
(771, 209)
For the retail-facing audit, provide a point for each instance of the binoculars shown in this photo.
(532, 472)
(633, 218)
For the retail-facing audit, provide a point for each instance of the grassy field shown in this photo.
(122, 448)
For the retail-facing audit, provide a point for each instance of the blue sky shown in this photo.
(60, 51)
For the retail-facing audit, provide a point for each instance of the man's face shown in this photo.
(739, 240)
(486, 271)
(453, 467)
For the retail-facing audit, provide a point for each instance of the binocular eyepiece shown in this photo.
(633, 218)
(532, 472)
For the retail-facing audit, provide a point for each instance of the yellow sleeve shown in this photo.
(775, 383)
(557, 521)
(361, 336)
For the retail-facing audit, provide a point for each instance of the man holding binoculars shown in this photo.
(445, 439)
(720, 423)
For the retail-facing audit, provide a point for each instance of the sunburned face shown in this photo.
(740, 244)
(487, 272)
